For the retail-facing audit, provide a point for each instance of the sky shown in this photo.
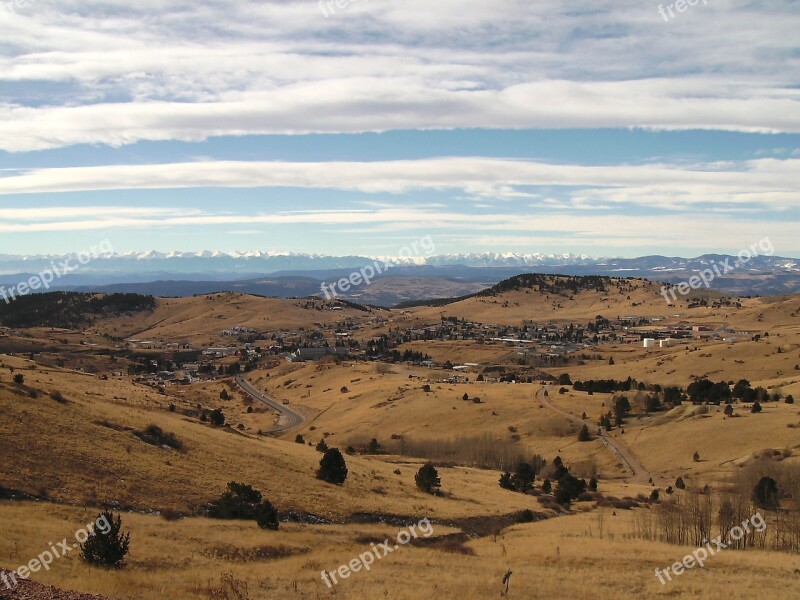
(606, 128)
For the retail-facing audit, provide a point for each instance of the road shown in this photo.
(290, 418)
(638, 473)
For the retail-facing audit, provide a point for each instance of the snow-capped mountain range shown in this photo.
(271, 262)
(286, 274)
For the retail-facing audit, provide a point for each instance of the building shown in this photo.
(316, 353)
(649, 342)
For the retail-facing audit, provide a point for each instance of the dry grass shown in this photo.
(564, 557)
(84, 452)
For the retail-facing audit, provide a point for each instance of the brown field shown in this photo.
(78, 451)
(564, 557)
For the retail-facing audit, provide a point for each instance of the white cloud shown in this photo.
(753, 185)
(117, 72)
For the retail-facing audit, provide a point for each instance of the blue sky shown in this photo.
(587, 127)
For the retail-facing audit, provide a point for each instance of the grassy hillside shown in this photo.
(77, 440)
(84, 451)
(201, 319)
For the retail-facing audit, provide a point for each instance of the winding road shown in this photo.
(290, 418)
(629, 461)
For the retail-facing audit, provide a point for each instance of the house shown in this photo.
(303, 354)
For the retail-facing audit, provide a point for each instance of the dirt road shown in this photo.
(628, 460)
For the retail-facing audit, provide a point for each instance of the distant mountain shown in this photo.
(439, 276)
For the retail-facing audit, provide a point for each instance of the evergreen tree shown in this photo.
(505, 481)
(107, 548)
(266, 516)
(332, 467)
(766, 494)
(427, 479)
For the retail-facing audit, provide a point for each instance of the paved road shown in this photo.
(638, 473)
(288, 419)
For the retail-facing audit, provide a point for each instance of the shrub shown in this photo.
(19, 378)
(522, 480)
(789, 399)
(427, 479)
(216, 417)
(322, 446)
(107, 547)
(756, 407)
(58, 397)
(238, 503)
(569, 488)
(223, 395)
(299, 439)
(526, 516)
(332, 467)
(267, 516)
(242, 502)
(766, 494)
(155, 436)
(426, 388)
(680, 484)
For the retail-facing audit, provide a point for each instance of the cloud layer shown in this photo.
(114, 73)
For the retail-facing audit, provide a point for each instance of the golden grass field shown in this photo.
(83, 453)
(556, 558)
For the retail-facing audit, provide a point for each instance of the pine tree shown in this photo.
(108, 547)
(332, 467)
(427, 479)
(267, 516)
